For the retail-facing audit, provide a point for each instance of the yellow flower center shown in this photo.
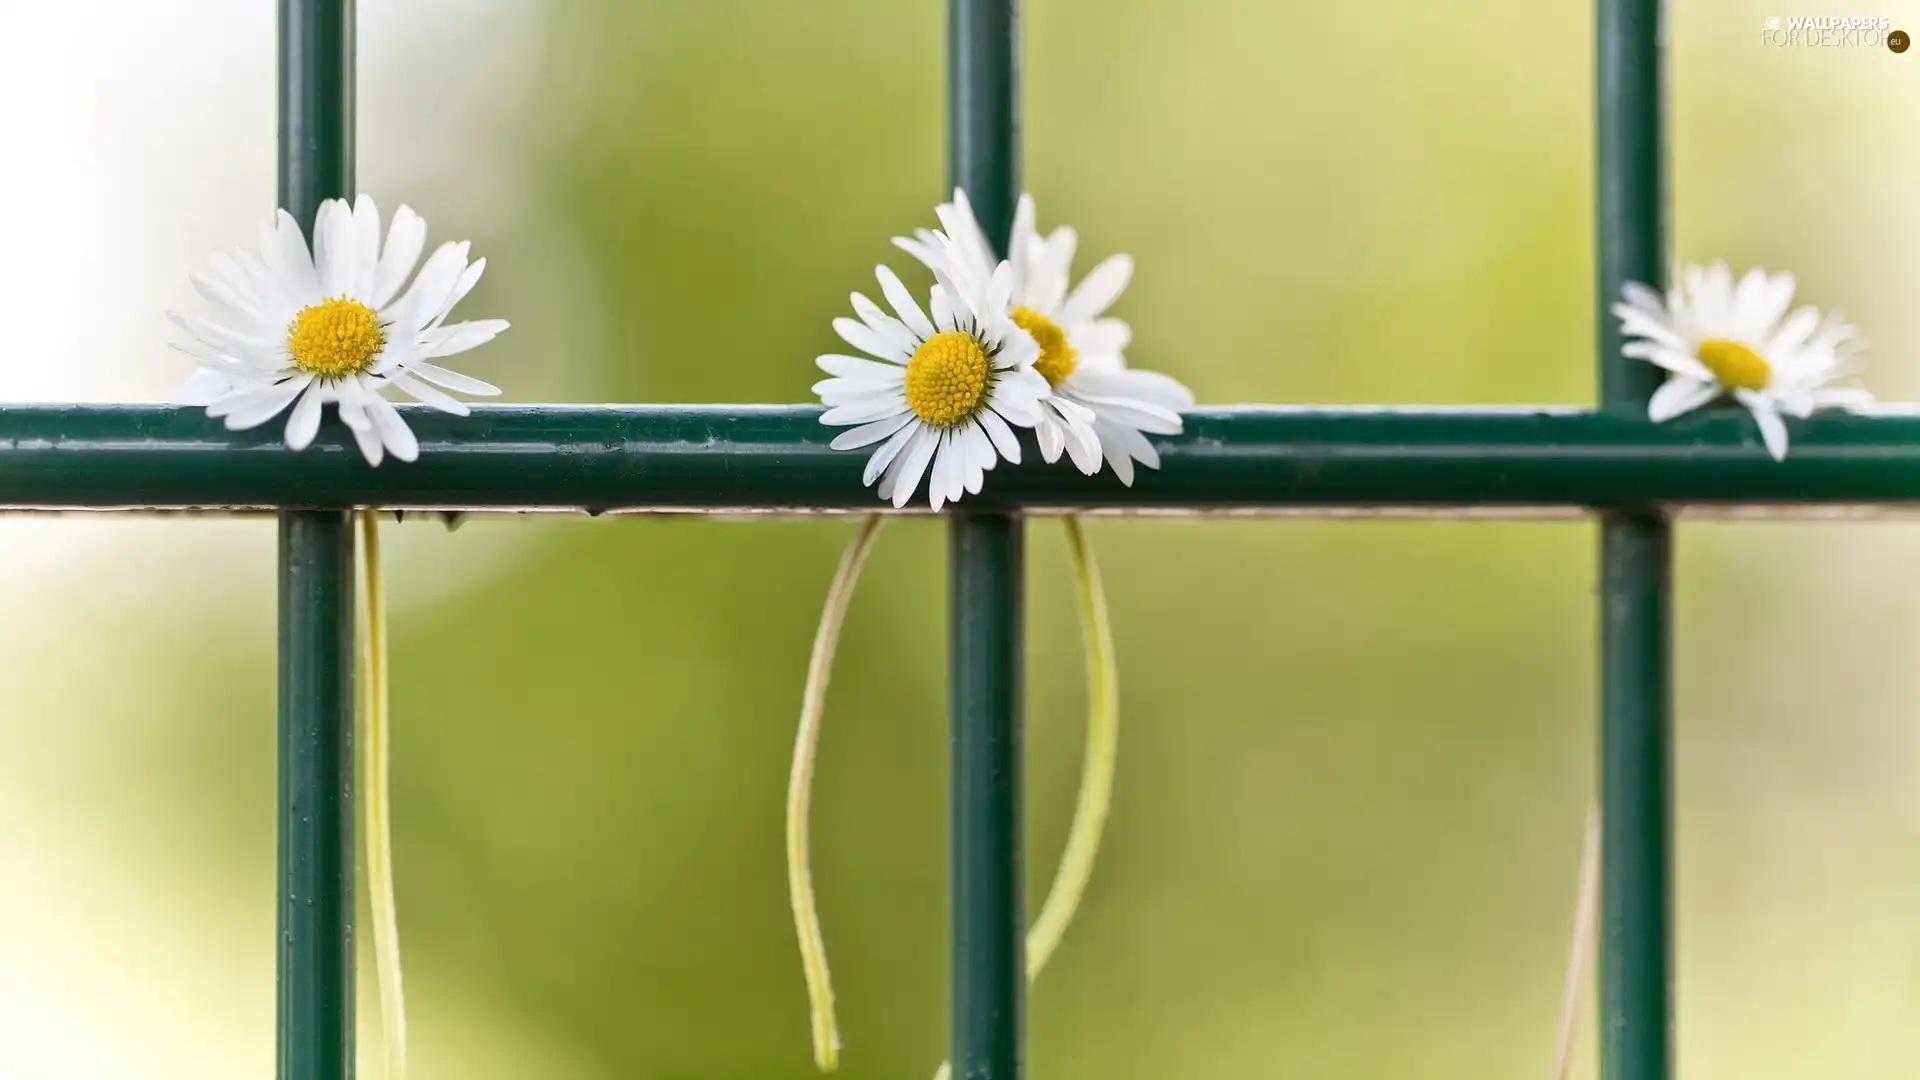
(947, 378)
(335, 338)
(1735, 365)
(1057, 358)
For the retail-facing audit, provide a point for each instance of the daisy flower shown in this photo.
(1718, 339)
(944, 392)
(1099, 407)
(301, 330)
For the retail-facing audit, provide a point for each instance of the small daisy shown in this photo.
(1099, 407)
(1717, 339)
(301, 330)
(944, 391)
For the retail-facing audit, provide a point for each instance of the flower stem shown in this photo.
(806, 746)
(1096, 773)
(1585, 909)
(378, 840)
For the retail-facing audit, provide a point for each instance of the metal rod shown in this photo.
(1636, 744)
(776, 457)
(985, 564)
(316, 888)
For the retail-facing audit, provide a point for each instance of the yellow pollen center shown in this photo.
(1735, 365)
(947, 379)
(1057, 358)
(335, 338)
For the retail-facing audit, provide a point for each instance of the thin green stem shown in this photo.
(1096, 772)
(378, 840)
(1586, 907)
(806, 747)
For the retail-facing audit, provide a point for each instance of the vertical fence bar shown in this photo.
(1636, 765)
(985, 565)
(315, 1013)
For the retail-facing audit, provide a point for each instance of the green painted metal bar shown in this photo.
(1636, 757)
(985, 560)
(776, 457)
(316, 890)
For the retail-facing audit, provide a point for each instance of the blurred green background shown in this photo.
(1355, 754)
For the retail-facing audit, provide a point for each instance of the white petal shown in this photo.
(305, 421)
(913, 463)
(452, 380)
(1050, 432)
(265, 403)
(458, 338)
(902, 302)
(1678, 395)
(1001, 434)
(203, 387)
(428, 294)
(394, 432)
(1103, 336)
(1680, 363)
(857, 367)
(366, 247)
(1773, 430)
(884, 456)
(1139, 415)
(406, 236)
(1115, 450)
(1051, 292)
(863, 412)
(868, 434)
(1098, 290)
(1020, 245)
(334, 250)
(461, 287)
(1083, 441)
(284, 254)
(427, 395)
(865, 338)
(884, 324)
(228, 342)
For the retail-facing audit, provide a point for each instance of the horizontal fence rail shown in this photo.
(626, 458)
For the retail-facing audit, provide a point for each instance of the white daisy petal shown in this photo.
(884, 456)
(863, 412)
(334, 250)
(304, 423)
(1773, 430)
(868, 434)
(394, 432)
(427, 395)
(406, 238)
(264, 403)
(203, 387)
(461, 287)
(902, 301)
(458, 338)
(1680, 394)
(884, 324)
(1001, 435)
(1098, 290)
(1050, 433)
(424, 299)
(865, 338)
(452, 380)
(857, 367)
(366, 248)
(913, 464)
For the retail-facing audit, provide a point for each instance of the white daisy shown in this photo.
(1099, 406)
(1717, 339)
(302, 330)
(943, 390)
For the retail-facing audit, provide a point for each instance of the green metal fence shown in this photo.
(1628, 472)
